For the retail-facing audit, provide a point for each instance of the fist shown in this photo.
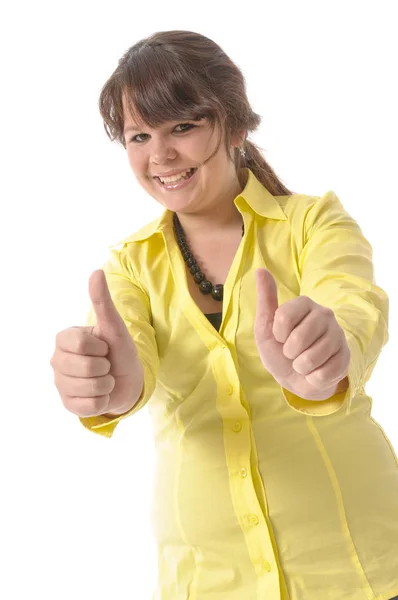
(300, 342)
(96, 368)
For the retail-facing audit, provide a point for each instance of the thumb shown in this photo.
(112, 329)
(270, 350)
(267, 304)
(109, 323)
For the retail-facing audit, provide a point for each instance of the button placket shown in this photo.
(238, 452)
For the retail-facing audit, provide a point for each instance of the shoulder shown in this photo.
(142, 234)
(299, 203)
(306, 210)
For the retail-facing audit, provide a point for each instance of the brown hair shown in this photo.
(174, 75)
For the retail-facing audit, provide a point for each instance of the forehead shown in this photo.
(131, 118)
(133, 122)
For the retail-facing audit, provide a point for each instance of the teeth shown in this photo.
(175, 177)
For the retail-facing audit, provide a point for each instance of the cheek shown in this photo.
(194, 149)
(135, 161)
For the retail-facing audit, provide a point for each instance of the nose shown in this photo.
(162, 151)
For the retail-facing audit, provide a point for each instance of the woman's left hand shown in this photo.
(300, 342)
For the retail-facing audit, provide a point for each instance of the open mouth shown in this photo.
(168, 181)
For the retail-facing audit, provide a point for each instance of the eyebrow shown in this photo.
(130, 128)
(135, 128)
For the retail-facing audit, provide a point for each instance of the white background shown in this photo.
(74, 505)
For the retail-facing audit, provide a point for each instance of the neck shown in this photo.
(221, 216)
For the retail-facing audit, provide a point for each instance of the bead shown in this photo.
(217, 292)
(199, 277)
(205, 287)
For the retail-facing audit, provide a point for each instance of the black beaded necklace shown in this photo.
(205, 286)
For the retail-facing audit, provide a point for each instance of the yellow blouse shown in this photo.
(260, 494)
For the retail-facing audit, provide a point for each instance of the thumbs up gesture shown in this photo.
(300, 342)
(97, 369)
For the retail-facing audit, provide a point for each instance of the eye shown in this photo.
(142, 137)
(139, 135)
(188, 126)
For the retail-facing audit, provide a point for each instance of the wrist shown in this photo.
(129, 387)
(338, 388)
(121, 410)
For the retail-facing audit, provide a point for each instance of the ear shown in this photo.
(238, 138)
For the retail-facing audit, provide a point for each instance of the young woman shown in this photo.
(247, 317)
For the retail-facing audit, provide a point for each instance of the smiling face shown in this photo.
(171, 163)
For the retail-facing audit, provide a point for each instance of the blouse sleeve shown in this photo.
(336, 271)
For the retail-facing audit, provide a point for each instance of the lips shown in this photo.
(187, 174)
(179, 183)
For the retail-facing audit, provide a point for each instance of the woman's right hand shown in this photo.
(96, 368)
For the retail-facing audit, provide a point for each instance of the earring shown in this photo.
(242, 152)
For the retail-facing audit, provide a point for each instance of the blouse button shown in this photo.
(243, 472)
(237, 426)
